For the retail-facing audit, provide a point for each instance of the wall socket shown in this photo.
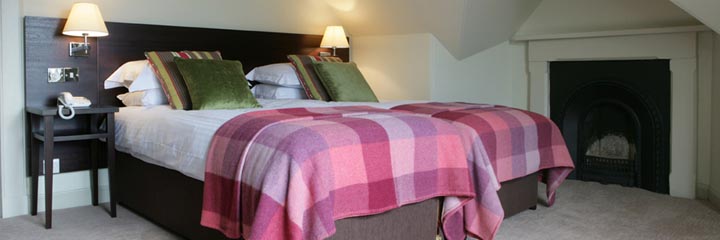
(56, 166)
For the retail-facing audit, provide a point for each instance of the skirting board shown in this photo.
(73, 190)
(70, 190)
(74, 198)
(61, 200)
(15, 206)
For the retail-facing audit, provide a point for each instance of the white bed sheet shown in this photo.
(179, 140)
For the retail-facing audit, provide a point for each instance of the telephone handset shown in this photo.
(66, 100)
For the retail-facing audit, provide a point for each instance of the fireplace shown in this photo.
(615, 117)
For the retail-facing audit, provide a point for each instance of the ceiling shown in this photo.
(467, 27)
(707, 11)
(464, 27)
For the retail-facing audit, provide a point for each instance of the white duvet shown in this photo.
(179, 140)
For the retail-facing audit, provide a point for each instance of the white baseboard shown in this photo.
(74, 198)
(69, 190)
(73, 190)
(15, 206)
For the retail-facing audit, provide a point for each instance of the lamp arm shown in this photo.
(86, 46)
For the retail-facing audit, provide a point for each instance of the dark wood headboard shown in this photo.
(46, 47)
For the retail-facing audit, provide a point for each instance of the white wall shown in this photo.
(72, 189)
(12, 150)
(569, 16)
(715, 165)
(306, 16)
(1, 77)
(396, 66)
(496, 75)
(418, 66)
(704, 100)
(464, 27)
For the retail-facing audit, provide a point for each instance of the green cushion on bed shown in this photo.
(344, 82)
(216, 84)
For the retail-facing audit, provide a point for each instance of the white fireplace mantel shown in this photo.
(679, 48)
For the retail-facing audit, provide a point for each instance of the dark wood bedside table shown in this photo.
(47, 136)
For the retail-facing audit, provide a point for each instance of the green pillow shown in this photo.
(216, 84)
(344, 82)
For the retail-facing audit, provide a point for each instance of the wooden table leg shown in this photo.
(48, 145)
(34, 173)
(110, 126)
(94, 161)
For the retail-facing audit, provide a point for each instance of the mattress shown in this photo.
(179, 140)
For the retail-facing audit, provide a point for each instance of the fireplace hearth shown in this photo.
(615, 117)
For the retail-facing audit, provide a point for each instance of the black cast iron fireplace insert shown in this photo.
(615, 118)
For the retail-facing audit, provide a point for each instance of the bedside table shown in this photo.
(47, 136)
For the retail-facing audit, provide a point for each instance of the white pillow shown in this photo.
(281, 74)
(267, 91)
(135, 76)
(149, 97)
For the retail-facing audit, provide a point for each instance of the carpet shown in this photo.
(588, 210)
(583, 210)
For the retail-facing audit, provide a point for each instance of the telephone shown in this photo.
(66, 100)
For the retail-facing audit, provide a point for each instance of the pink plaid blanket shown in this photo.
(290, 173)
(516, 142)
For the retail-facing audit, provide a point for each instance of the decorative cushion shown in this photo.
(170, 78)
(281, 74)
(216, 84)
(308, 78)
(344, 82)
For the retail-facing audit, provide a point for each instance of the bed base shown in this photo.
(173, 201)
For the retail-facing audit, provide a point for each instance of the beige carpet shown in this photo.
(582, 211)
(83, 223)
(586, 210)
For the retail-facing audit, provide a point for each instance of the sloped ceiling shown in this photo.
(572, 16)
(464, 27)
(707, 11)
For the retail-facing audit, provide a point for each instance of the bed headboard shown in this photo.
(46, 47)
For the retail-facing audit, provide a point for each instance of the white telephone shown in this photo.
(66, 100)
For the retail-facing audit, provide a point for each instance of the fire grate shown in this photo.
(609, 170)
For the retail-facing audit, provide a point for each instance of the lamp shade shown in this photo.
(85, 18)
(334, 37)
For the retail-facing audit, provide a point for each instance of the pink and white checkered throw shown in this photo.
(516, 142)
(290, 173)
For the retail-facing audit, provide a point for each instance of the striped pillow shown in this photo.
(308, 78)
(163, 63)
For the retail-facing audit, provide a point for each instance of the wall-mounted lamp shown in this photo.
(334, 37)
(85, 21)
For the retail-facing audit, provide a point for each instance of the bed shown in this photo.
(165, 186)
(142, 140)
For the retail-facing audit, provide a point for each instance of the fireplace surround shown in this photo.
(684, 47)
